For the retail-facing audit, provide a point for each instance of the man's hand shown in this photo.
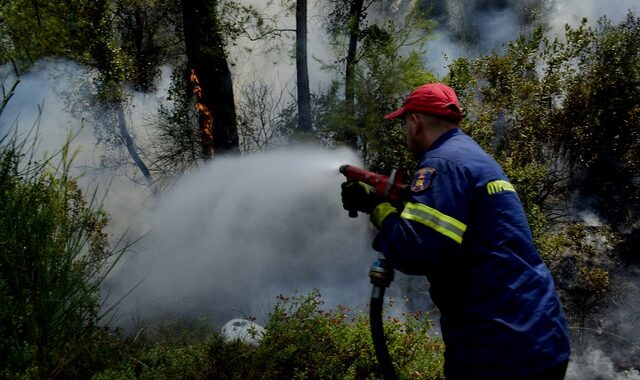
(358, 196)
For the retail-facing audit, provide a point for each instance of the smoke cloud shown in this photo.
(272, 62)
(228, 237)
(53, 101)
(594, 364)
(561, 12)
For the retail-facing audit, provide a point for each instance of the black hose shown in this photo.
(377, 334)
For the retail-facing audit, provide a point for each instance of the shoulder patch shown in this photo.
(499, 186)
(422, 179)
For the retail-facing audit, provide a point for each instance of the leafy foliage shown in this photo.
(53, 256)
(78, 30)
(32, 30)
(600, 121)
(301, 341)
(560, 117)
(149, 35)
(176, 139)
(383, 75)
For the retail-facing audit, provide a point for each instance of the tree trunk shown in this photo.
(304, 96)
(143, 65)
(209, 77)
(355, 13)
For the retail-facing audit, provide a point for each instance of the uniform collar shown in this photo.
(444, 137)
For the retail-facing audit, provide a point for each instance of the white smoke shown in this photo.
(38, 97)
(562, 12)
(611, 350)
(53, 100)
(595, 364)
(273, 62)
(472, 27)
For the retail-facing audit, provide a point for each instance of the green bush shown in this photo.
(301, 341)
(177, 349)
(53, 255)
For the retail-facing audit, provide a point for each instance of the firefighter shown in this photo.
(462, 225)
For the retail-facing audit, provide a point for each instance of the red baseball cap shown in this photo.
(434, 99)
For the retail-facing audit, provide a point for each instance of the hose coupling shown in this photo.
(381, 274)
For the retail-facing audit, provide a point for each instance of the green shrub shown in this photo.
(303, 341)
(53, 255)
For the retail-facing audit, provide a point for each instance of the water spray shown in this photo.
(241, 231)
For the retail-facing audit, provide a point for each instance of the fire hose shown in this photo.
(380, 273)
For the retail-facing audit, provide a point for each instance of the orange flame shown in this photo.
(206, 116)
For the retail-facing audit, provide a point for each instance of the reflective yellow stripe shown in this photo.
(499, 186)
(433, 218)
(381, 212)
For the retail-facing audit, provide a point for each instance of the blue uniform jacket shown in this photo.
(464, 227)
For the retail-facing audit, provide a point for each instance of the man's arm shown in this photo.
(431, 223)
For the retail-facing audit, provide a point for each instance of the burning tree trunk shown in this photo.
(209, 77)
(304, 97)
(205, 117)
